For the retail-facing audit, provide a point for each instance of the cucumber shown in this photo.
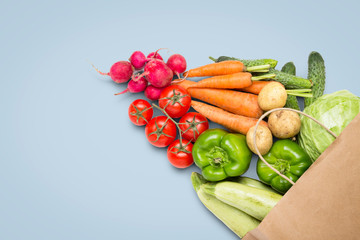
(291, 101)
(289, 68)
(316, 73)
(253, 201)
(238, 221)
(290, 81)
(252, 183)
(248, 63)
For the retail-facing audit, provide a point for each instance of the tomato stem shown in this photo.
(177, 125)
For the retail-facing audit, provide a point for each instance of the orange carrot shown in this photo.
(255, 87)
(241, 103)
(215, 69)
(235, 80)
(231, 121)
(185, 83)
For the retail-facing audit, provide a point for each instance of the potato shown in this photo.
(272, 96)
(284, 123)
(264, 139)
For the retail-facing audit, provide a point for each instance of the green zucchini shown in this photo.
(238, 221)
(246, 62)
(252, 183)
(316, 73)
(291, 101)
(253, 201)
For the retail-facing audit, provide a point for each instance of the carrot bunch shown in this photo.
(231, 90)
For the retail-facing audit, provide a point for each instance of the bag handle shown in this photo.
(278, 109)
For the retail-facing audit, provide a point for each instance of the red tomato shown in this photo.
(192, 125)
(160, 131)
(140, 112)
(180, 156)
(175, 100)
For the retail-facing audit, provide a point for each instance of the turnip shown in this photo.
(153, 93)
(138, 60)
(135, 86)
(119, 72)
(153, 55)
(177, 64)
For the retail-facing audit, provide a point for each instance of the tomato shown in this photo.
(192, 125)
(180, 156)
(175, 100)
(160, 131)
(140, 112)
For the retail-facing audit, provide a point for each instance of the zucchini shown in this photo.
(253, 201)
(291, 101)
(252, 183)
(246, 62)
(238, 221)
(316, 73)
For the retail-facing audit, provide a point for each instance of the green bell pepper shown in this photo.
(289, 159)
(220, 154)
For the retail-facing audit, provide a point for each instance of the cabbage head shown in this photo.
(335, 111)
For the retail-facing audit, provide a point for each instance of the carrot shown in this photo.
(231, 121)
(235, 80)
(241, 103)
(230, 81)
(223, 68)
(185, 83)
(256, 87)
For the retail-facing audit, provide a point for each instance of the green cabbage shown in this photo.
(335, 111)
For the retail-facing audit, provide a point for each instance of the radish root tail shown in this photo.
(125, 91)
(102, 73)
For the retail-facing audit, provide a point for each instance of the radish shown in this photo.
(119, 72)
(177, 64)
(158, 73)
(154, 55)
(135, 86)
(138, 60)
(153, 93)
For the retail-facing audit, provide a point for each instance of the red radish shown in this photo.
(158, 73)
(138, 60)
(154, 55)
(135, 86)
(177, 64)
(153, 93)
(119, 72)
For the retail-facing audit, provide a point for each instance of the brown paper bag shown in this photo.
(325, 202)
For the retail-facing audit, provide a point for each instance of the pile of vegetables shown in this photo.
(257, 103)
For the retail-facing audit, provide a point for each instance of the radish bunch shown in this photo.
(150, 74)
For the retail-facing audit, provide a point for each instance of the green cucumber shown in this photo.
(316, 73)
(290, 81)
(289, 68)
(253, 201)
(291, 101)
(246, 62)
(238, 221)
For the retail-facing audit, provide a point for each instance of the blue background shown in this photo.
(72, 166)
